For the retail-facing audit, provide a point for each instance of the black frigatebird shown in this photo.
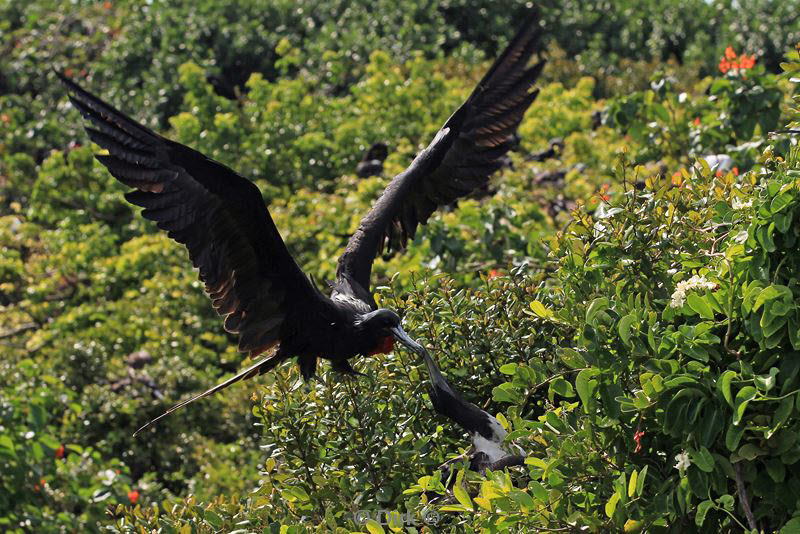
(250, 276)
(485, 431)
(372, 163)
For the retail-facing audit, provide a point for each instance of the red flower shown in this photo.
(107, 5)
(719, 174)
(68, 72)
(494, 273)
(637, 438)
(729, 61)
(697, 121)
(736, 171)
(133, 496)
(60, 452)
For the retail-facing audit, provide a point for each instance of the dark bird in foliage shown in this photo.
(250, 276)
(372, 164)
(554, 149)
(485, 431)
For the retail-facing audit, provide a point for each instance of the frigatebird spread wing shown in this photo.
(220, 217)
(249, 274)
(463, 154)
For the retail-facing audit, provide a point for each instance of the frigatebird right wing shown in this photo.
(221, 218)
(465, 152)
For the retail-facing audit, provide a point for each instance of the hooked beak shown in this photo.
(401, 336)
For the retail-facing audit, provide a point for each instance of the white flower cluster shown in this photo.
(695, 282)
(682, 462)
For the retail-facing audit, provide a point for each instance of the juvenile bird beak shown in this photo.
(401, 336)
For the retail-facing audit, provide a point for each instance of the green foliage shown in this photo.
(722, 112)
(636, 334)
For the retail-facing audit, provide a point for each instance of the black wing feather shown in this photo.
(461, 158)
(220, 217)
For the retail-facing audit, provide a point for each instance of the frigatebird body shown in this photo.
(249, 274)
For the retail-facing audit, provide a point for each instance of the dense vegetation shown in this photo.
(631, 314)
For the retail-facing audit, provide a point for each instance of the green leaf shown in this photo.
(724, 385)
(508, 369)
(586, 386)
(782, 413)
(791, 527)
(7, 444)
(780, 202)
(561, 387)
(640, 481)
(772, 292)
(700, 305)
(775, 469)
(743, 398)
(702, 511)
(213, 519)
(750, 451)
(703, 459)
(571, 358)
(598, 305)
(539, 491)
(632, 483)
(732, 436)
(539, 309)
(374, 527)
(462, 497)
(611, 505)
(624, 327)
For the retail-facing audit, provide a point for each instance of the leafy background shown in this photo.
(628, 312)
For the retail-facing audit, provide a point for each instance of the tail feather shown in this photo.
(259, 368)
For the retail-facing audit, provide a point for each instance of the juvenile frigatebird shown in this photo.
(250, 276)
(485, 431)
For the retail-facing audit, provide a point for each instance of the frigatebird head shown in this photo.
(387, 324)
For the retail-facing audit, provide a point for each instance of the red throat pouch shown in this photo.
(385, 346)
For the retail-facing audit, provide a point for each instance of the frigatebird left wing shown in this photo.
(461, 158)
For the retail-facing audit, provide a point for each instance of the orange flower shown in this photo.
(107, 5)
(133, 496)
(736, 171)
(60, 452)
(5, 118)
(747, 62)
(677, 178)
(697, 121)
(719, 174)
(68, 72)
(729, 53)
(494, 273)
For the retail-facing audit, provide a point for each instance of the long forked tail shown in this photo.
(261, 367)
